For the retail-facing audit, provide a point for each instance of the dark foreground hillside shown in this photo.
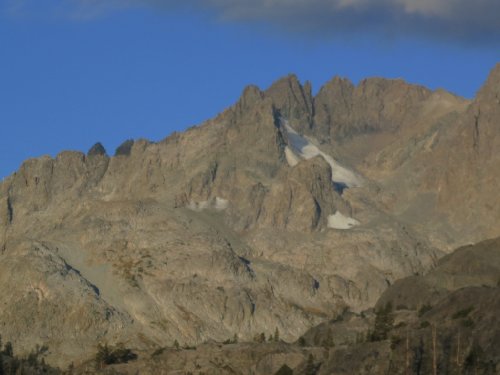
(33, 364)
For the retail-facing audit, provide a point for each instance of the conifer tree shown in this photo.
(8, 350)
(310, 367)
(328, 341)
(284, 370)
(102, 355)
(384, 320)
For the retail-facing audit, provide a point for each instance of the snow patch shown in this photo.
(198, 206)
(291, 158)
(216, 203)
(221, 204)
(302, 147)
(339, 221)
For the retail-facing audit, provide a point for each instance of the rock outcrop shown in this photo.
(453, 330)
(97, 150)
(235, 227)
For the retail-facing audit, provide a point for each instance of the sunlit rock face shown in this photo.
(281, 212)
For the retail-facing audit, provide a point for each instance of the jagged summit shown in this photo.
(125, 148)
(283, 211)
(492, 82)
(97, 149)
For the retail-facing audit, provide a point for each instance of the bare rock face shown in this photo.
(345, 111)
(446, 319)
(302, 198)
(52, 300)
(125, 148)
(6, 217)
(444, 171)
(97, 150)
(475, 206)
(469, 266)
(293, 101)
(281, 212)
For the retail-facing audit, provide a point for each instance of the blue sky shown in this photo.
(74, 75)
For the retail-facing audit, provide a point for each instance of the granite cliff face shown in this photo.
(445, 321)
(282, 212)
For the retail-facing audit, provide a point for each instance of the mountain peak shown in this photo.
(251, 95)
(491, 89)
(286, 88)
(290, 80)
(293, 101)
(97, 149)
(256, 217)
(495, 72)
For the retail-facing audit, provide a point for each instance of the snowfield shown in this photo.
(339, 221)
(300, 147)
(216, 203)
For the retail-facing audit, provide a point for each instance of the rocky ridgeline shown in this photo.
(234, 227)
